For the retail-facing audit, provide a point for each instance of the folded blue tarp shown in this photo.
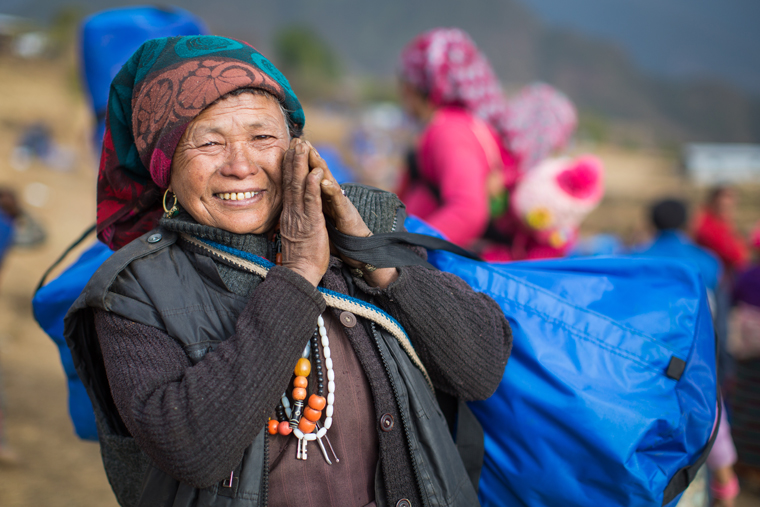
(609, 397)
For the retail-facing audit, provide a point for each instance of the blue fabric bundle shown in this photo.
(611, 387)
(50, 305)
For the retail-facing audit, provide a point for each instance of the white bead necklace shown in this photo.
(294, 413)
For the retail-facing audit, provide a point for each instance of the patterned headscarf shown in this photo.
(445, 64)
(541, 121)
(158, 92)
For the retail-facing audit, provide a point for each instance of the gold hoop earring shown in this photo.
(170, 213)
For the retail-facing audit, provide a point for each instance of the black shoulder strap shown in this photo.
(467, 433)
(389, 250)
(681, 480)
(63, 256)
(416, 176)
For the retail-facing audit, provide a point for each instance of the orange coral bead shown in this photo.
(299, 393)
(303, 367)
(273, 425)
(284, 428)
(317, 402)
(301, 382)
(311, 414)
(278, 259)
(306, 425)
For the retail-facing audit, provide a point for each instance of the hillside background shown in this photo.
(643, 72)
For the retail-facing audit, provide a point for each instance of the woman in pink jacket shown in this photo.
(474, 144)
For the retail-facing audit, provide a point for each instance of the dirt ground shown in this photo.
(55, 468)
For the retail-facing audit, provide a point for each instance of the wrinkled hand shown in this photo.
(305, 244)
(336, 205)
(347, 219)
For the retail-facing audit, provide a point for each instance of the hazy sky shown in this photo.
(678, 38)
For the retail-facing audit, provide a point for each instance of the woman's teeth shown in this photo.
(239, 196)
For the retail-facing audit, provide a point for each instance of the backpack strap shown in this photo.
(66, 252)
(391, 250)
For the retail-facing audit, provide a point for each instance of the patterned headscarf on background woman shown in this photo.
(446, 65)
(541, 121)
(158, 92)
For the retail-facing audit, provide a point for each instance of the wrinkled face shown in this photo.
(227, 168)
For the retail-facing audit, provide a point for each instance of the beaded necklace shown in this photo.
(303, 421)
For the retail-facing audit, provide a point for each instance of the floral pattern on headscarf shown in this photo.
(158, 92)
(541, 121)
(446, 64)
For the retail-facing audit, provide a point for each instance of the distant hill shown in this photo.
(681, 39)
(598, 75)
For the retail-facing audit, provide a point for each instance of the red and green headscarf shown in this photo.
(161, 88)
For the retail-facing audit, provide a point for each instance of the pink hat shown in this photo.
(557, 195)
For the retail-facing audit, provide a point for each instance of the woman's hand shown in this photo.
(347, 220)
(305, 244)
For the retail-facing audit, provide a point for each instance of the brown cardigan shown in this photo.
(168, 405)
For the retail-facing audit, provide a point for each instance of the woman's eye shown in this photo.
(262, 137)
(209, 143)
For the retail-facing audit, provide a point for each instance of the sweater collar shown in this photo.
(256, 244)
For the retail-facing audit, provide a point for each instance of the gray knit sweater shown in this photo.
(461, 336)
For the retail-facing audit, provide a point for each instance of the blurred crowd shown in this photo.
(493, 174)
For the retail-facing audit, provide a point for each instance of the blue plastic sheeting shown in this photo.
(6, 234)
(598, 244)
(50, 305)
(340, 171)
(585, 414)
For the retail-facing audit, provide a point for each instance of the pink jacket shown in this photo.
(452, 159)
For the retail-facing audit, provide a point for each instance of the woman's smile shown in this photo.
(237, 196)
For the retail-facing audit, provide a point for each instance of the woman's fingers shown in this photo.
(336, 205)
(316, 161)
(305, 246)
(299, 171)
(330, 188)
(313, 193)
(287, 173)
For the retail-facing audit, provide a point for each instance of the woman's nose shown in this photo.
(240, 161)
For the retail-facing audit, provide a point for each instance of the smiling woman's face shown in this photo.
(227, 168)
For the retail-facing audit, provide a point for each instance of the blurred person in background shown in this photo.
(546, 209)
(714, 229)
(476, 148)
(188, 335)
(668, 217)
(460, 160)
(745, 346)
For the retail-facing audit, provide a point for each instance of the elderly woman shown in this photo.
(231, 358)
